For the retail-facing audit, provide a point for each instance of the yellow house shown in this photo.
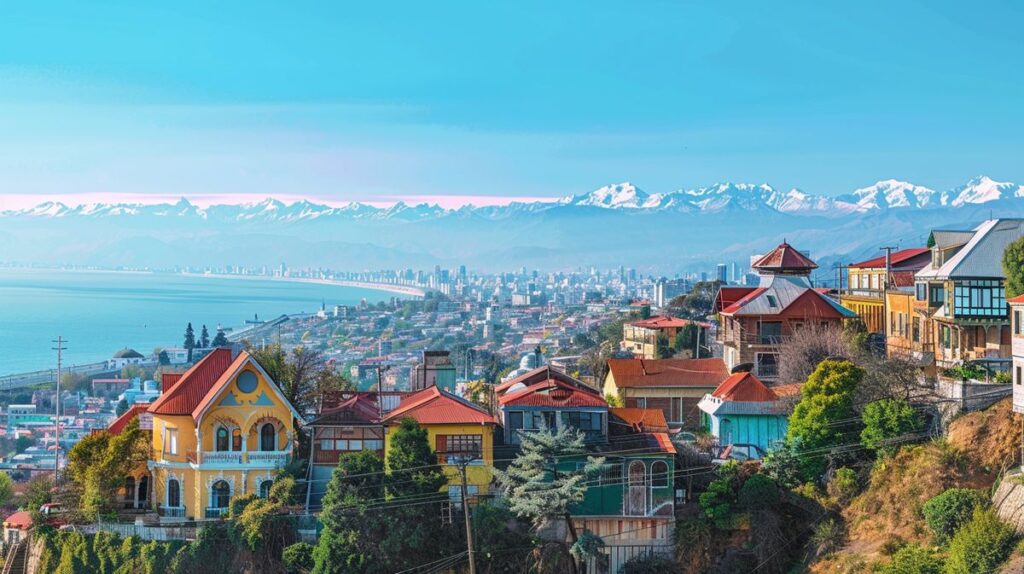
(454, 427)
(221, 429)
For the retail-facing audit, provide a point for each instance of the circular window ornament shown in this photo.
(247, 381)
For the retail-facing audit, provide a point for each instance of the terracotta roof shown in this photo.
(435, 406)
(128, 416)
(744, 388)
(1017, 299)
(660, 322)
(552, 393)
(790, 390)
(726, 296)
(895, 259)
(168, 380)
(785, 258)
(651, 420)
(541, 374)
(688, 373)
(355, 408)
(21, 520)
(193, 386)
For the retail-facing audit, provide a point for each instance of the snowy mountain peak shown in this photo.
(617, 196)
(890, 193)
(982, 189)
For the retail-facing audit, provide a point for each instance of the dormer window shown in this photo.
(772, 301)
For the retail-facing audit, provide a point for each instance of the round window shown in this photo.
(247, 381)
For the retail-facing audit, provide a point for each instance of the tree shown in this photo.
(946, 512)
(537, 488)
(220, 339)
(821, 420)
(886, 422)
(163, 358)
(6, 488)
(352, 527)
(1013, 268)
(204, 338)
(980, 545)
(913, 559)
(100, 462)
(806, 348)
(663, 347)
(302, 375)
(122, 407)
(190, 341)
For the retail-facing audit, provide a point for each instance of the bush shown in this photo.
(717, 501)
(828, 536)
(886, 422)
(284, 491)
(843, 486)
(649, 564)
(238, 503)
(298, 557)
(759, 491)
(979, 545)
(946, 512)
(913, 559)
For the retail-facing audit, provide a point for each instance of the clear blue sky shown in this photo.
(379, 100)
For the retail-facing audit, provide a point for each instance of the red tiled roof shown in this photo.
(744, 388)
(168, 380)
(435, 406)
(357, 408)
(660, 322)
(552, 393)
(129, 415)
(789, 390)
(21, 520)
(664, 442)
(726, 296)
(667, 372)
(903, 278)
(785, 258)
(895, 259)
(541, 374)
(651, 420)
(194, 384)
(1017, 299)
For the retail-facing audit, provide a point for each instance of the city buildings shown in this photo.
(641, 337)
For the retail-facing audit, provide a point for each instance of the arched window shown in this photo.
(637, 497)
(220, 494)
(236, 439)
(173, 493)
(659, 474)
(268, 437)
(222, 439)
(264, 490)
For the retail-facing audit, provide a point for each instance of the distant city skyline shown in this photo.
(453, 104)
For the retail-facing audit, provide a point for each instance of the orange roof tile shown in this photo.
(1017, 299)
(21, 520)
(745, 388)
(435, 406)
(119, 424)
(552, 393)
(629, 373)
(661, 322)
(650, 420)
(895, 259)
(194, 384)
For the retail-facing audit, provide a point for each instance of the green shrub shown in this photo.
(238, 503)
(718, 500)
(284, 491)
(979, 545)
(298, 557)
(828, 536)
(843, 486)
(649, 564)
(913, 559)
(947, 511)
(759, 491)
(886, 421)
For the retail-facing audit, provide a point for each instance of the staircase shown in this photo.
(17, 558)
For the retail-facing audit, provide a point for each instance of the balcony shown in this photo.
(877, 294)
(258, 459)
(222, 457)
(216, 512)
(167, 512)
(268, 458)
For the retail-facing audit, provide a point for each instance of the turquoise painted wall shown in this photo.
(765, 431)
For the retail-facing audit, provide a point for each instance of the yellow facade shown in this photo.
(478, 474)
(869, 308)
(233, 444)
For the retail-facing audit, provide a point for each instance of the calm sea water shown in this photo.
(101, 312)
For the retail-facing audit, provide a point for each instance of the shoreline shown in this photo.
(388, 287)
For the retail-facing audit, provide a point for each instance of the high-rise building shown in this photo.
(723, 273)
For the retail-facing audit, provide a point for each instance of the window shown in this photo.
(979, 298)
(264, 488)
(451, 446)
(515, 420)
(921, 291)
(220, 494)
(236, 439)
(612, 475)
(268, 437)
(222, 439)
(767, 365)
(173, 493)
(677, 409)
(659, 474)
(1016, 322)
(1018, 378)
(855, 281)
(772, 301)
(771, 332)
(586, 422)
(170, 441)
(936, 295)
(641, 403)
(455, 492)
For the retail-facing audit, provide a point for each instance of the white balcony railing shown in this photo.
(269, 458)
(221, 457)
(262, 459)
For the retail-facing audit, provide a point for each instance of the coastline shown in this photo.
(388, 287)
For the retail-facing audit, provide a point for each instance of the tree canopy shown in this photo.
(1013, 268)
(822, 419)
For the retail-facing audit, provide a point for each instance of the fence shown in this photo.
(145, 532)
(613, 557)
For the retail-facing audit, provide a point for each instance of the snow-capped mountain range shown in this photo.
(883, 195)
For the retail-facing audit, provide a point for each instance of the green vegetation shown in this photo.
(298, 558)
(844, 485)
(886, 422)
(71, 552)
(99, 463)
(913, 559)
(818, 422)
(946, 512)
(1013, 268)
(649, 564)
(980, 545)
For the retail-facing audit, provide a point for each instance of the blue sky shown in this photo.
(384, 100)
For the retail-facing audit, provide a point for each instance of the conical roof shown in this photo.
(785, 259)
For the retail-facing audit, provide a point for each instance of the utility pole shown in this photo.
(56, 419)
(463, 460)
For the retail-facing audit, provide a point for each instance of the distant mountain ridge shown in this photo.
(883, 195)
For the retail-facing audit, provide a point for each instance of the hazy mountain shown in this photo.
(616, 224)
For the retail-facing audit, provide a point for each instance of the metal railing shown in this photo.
(216, 512)
(169, 512)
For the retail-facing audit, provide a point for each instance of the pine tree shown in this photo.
(536, 487)
(352, 528)
(190, 340)
(220, 339)
(204, 338)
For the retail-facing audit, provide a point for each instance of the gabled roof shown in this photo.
(660, 322)
(22, 520)
(551, 393)
(435, 406)
(901, 258)
(982, 255)
(679, 373)
(785, 259)
(119, 424)
(788, 296)
(168, 380)
(541, 374)
(640, 420)
(355, 408)
(1016, 300)
(744, 388)
(726, 296)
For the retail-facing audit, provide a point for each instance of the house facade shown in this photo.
(672, 386)
(756, 321)
(744, 411)
(1017, 349)
(960, 307)
(221, 429)
(868, 281)
(641, 337)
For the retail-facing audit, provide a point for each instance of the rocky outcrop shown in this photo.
(1009, 500)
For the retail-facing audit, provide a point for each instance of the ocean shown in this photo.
(101, 312)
